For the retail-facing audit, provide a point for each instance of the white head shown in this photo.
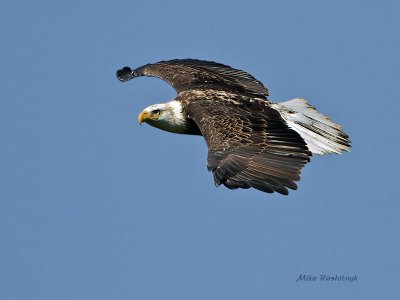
(165, 116)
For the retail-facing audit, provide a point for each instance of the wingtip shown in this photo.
(124, 74)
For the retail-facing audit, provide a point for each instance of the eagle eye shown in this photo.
(156, 111)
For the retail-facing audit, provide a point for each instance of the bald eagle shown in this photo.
(252, 142)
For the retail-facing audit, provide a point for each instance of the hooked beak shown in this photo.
(142, 117)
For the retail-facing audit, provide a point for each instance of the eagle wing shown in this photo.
(249, 144)
(189, 74)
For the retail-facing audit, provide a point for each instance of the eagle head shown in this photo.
(166, 116)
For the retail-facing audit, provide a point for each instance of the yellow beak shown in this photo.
(143, 116)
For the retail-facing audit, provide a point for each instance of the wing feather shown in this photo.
(188, 74)
(249, 145)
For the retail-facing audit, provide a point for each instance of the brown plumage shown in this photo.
(250, 143)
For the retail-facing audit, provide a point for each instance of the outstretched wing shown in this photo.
(187, 74)
(249, 145)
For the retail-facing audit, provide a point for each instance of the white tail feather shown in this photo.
(318, 131)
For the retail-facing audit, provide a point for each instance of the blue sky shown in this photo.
(93, 206)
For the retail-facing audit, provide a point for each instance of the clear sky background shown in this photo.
(93, 206)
